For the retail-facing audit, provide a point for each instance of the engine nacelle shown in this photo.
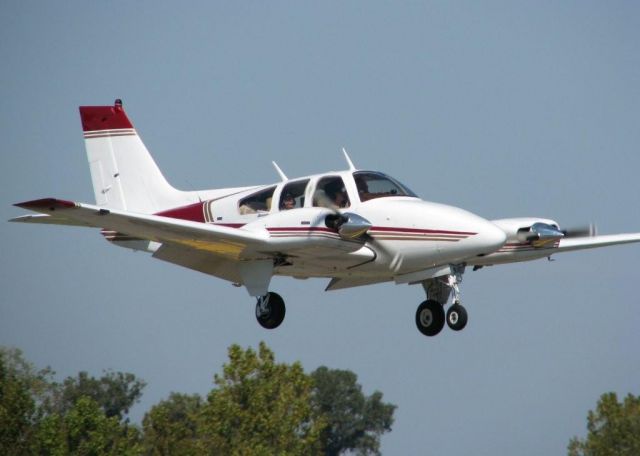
(535, 231)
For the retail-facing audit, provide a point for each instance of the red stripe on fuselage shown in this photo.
(417, 230)
(193, 212)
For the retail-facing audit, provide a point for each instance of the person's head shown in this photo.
(288, 202)
(340, 198)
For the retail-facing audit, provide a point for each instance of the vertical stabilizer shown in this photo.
(123, 173)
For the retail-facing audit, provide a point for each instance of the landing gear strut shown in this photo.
(270, 310)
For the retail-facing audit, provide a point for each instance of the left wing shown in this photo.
(230, 243)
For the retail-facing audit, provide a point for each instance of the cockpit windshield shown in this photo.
(373, 185)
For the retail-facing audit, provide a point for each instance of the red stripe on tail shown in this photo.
(97, 118)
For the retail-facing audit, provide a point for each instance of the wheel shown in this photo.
(270, 310)
(457, 317)
(430, 317)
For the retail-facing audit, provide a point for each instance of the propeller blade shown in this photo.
(581, 231)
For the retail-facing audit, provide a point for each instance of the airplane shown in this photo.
(354, 227)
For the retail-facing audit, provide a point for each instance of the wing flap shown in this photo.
(233, 243)
(199, 261)
(340, 283)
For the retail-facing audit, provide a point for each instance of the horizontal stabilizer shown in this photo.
(45, 219)
(222, 241)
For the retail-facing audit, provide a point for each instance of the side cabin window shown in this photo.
(292, 195)
(257, 202)
(331, 193)
(373, 185)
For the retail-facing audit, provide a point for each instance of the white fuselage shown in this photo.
(407, 234)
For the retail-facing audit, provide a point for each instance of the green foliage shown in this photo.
(613, 429)
(85, 430)
(261, 407)
(355, 421)
(114, 392)
(257, 407)
(81, 416)
(17, 410)
(39, 382)
(171, 427)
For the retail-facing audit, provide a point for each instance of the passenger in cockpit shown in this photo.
(340, 198)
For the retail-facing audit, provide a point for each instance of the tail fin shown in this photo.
(123, 173)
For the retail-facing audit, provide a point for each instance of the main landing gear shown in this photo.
(270, 310)
(430, 316)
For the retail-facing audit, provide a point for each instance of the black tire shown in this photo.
(457, 317)
(274, 311)
(430, 317)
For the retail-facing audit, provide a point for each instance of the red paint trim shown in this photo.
(301, 229)
(416, 230)
(96, 118)
(193, 212)
(49, 203)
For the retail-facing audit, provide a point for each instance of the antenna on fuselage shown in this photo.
(349, 162)
(283, 176)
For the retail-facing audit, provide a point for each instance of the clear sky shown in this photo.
(502, 108)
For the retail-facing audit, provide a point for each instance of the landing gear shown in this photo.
(457, 317)
(430, 317)
(270, 310)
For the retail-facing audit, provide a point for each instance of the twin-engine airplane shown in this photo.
(354, 227)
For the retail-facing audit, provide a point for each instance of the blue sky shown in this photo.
(502, 108)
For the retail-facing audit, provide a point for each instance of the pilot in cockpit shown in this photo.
(288, 202)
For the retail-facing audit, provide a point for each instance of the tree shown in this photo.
(171, 427)
(114, 392)
(39, 382)
(17, 410)
(260, 407)
(355, 421)
(85, 429)
(613, 429)
(80, 416)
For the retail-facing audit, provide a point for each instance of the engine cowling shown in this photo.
(538, 232)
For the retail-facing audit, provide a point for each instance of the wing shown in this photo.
(580, 243)
(224, 242)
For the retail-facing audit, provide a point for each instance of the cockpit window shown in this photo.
(257, 202)
(331, 193)
(292, 195)
(373, 185)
